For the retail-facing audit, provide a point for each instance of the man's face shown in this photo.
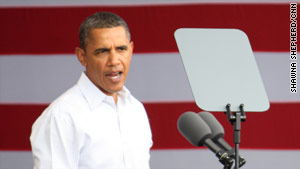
(107, 58)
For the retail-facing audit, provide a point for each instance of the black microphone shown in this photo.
(198, 133)
(218, 135)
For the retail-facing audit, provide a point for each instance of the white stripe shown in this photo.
(36, 79)
(156, 77)
(204, 159)
(42, 3)
(183, 159)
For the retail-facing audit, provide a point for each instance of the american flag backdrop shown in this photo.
(37, 64)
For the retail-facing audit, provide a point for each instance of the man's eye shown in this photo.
(100, 51)
(103, 51)
(122, 48)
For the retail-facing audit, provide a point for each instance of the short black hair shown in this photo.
(100, 20)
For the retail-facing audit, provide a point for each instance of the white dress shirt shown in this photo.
(85, 129)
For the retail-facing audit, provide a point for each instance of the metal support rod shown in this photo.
(235, 119)
(237, 129)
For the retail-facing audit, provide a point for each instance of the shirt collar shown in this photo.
(93, 95)
(124, 93)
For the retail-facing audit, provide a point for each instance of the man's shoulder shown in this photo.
(136, 102)
(71, 99)
(66, 107)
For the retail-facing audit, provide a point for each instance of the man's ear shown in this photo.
(131, 46)
(81, 56)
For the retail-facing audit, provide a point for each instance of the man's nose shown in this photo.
(113, 58)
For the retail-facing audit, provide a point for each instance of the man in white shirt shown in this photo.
(97, 124)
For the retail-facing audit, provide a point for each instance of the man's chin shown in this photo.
(115, 90)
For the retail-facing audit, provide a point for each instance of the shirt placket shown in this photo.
(118, 110)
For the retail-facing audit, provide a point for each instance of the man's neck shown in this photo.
(115, 96)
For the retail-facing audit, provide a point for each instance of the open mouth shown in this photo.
(114, 75)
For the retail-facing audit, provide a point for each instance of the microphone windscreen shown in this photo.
(193, 128)
(216, 128)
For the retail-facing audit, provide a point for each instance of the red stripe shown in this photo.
(278, 128)
(54, 30)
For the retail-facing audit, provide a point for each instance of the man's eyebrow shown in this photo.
(102, 50)
(122, 47)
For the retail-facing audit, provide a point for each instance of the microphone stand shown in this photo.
(235, 119)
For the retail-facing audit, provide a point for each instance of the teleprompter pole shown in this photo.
(235, 119)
